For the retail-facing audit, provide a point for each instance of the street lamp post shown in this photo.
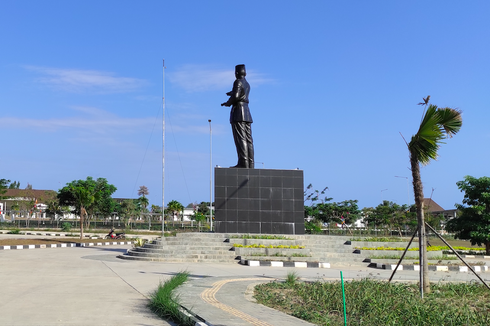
(382, 195)
(408, 190)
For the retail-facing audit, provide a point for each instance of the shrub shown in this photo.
(312, 228)
(66, 227)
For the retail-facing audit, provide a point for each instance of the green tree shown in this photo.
(3, 187)
(391, 215)
(436, 125)
(199, 218)
(14, 185)
(175, 208)
(323, 210)
(128, 209)
(87, 196)
(473, 220)
(203, 208)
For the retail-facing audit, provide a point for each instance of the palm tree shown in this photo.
(437, 124)
(175, 208)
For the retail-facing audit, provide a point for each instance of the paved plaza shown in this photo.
(90, 286)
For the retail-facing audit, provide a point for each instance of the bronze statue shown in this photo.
(241, 119)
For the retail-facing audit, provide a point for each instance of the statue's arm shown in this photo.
(234, 94)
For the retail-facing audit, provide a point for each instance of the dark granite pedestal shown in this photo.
(259, 201)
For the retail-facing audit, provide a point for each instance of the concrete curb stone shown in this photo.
(64, 245)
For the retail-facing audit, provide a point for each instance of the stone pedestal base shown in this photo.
(259, 201)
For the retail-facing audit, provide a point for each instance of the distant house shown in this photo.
(26, 201)
(433, 208)
(39, 198)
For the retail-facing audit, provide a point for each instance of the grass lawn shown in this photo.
(370, 302)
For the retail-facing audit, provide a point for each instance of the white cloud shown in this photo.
(95, 121)
(92, 119)
(74, 80)
(194, 78)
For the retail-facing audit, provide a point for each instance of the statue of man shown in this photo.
(241, 119)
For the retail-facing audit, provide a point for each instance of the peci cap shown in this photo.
(240, 69)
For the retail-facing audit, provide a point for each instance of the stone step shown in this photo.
(182, 256)
(210, 247)
(173, 260)
(174, 252)
(188, 247)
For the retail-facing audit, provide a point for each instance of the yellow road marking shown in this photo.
(208, 296)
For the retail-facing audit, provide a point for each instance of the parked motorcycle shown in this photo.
(113, 235)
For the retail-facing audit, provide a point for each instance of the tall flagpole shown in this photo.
(210, 177)
(163, 150)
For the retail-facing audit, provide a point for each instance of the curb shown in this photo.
(64, 245)
(256, 263)
(433, 268)
(52, 234)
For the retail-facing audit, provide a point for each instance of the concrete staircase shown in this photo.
(218, 247)
(185, 247)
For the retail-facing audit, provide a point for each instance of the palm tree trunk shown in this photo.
(419, 201)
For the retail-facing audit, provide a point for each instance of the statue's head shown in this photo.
(240, 71)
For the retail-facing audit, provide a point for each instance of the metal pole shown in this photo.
(447, 244)
(408, 192)
(382, 195)
(210, 177)
(403, 255)
(163, 150)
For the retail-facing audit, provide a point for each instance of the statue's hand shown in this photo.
(229, 93)
(224, 104)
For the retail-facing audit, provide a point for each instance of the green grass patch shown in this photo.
(260, 237)
(379, 239)
(165, 303)
(237, 245)
(277, 254)
(372, 302)
(431, 248)
(443, 257)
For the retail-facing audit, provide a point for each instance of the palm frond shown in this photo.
(450, 120)
(436, 125)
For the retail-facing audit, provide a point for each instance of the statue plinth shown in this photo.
(262, 201)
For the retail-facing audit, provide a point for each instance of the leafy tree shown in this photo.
(437, 124)
(203, 208)
(389, 214)
(327, 211)
(128, 209)
(3, 187)
(88, 196)
(14, 185)
(473, 221)
(198, 217)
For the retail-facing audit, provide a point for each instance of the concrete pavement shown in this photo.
(90, 286)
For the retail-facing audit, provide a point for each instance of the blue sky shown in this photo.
(334, 83)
